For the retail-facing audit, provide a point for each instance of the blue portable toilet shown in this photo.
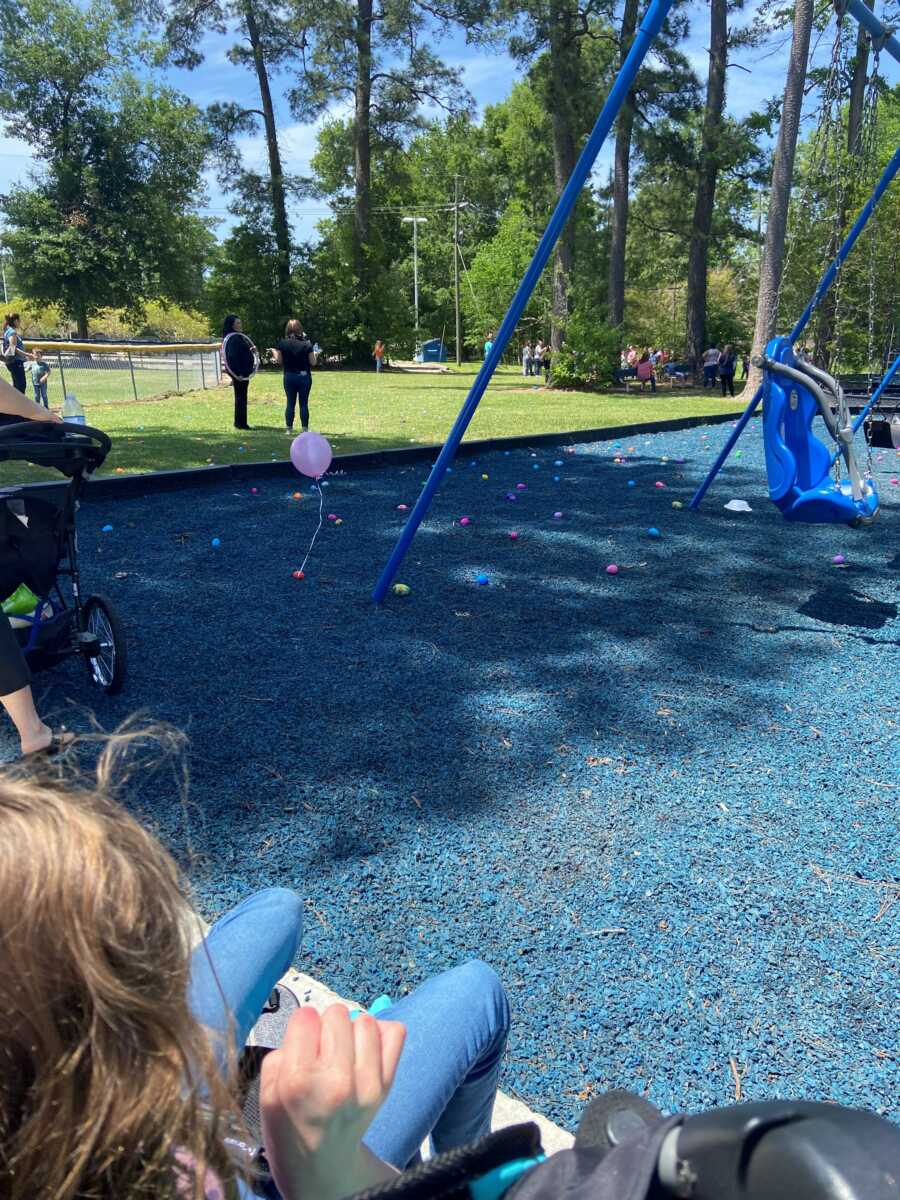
(434, 351)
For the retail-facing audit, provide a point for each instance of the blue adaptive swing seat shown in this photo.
(798, 464)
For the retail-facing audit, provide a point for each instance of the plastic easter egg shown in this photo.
(520, 487)
(216, 542)
(677, 504)
(400, 589)
(465, 520)
(402, 507)
(510, 495)
(838, 560)
(107, 529)
(484, 477)
(557, 516)
(297, 575)
(632, 483)
(482, 579)
(513, 535)
(612, 569)
(659, 483)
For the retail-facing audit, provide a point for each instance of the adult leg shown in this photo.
(456, 1029)
(305, 387)
(15, 693)
(238, 963)
(290, 393)
(240, 402)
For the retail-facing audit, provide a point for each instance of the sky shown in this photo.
(754, 78)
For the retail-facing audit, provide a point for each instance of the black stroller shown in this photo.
(39, 548)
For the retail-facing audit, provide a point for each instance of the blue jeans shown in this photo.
(709, 375)
(456, 1026)
(40, 394)
(297, 385)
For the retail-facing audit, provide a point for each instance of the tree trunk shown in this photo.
(858, 89)
(362, 147)
(707, 173)
(827, 316)
(276, 173)
(780, 192)
(564, 55)
(621, 165)
(81, 323)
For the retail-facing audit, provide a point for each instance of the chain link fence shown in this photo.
(110, 373)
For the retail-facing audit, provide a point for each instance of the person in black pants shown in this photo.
(233, 324)
(14, 353)
(727, 366)
(15, 678)
(295, 353)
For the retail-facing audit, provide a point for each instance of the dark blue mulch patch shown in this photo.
(662, 804)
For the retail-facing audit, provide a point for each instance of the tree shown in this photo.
(663, 92)
(782, 179)
(379, 60)
(264, 43)
(108, 221)
(707, 173)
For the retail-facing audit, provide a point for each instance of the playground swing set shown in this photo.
(798, 463)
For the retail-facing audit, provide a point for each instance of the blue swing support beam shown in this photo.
(827, 279)
(644, 38)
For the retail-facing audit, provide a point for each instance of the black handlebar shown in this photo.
(50, 431)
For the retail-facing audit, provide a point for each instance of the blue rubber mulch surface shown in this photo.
(663, 804)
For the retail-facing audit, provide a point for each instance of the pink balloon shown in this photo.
(311, 454)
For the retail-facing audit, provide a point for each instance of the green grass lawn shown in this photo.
(356, 411)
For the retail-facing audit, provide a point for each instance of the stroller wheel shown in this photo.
(109, 665)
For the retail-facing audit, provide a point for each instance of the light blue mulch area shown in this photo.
(661, 804)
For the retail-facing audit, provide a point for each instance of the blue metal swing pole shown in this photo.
(646, 34)
(875, 27)
(873, 400)
(824, 284)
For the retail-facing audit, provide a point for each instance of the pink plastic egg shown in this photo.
(465, 520)
(513, 535)
(659, 483)
(612, 569)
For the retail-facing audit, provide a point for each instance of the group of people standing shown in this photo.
(294, 353)
(536, 360)
(722, 365)
(16, 356)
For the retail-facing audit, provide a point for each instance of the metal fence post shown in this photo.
(177, 381)
(202, 372)
(218, 368)
(133, 382)
(62, 374)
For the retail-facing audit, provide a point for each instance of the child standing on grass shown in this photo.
(40, 373)
(378, 352)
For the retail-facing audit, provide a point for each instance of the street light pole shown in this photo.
(456, 268)
(416, 221)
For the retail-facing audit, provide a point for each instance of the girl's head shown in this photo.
(231, 324)
(12, 319)
(101, 1061)
(727, 349)
(294, 328)
(645, 357)
(379, 344)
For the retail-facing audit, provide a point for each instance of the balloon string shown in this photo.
(319, 526)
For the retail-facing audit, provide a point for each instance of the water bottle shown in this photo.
(72, 410)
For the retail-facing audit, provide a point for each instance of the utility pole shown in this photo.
(456, 268)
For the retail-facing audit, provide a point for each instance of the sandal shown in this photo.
(59, 743)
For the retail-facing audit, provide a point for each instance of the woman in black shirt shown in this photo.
(295, 353)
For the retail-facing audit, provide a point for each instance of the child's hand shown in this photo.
(319, 1093)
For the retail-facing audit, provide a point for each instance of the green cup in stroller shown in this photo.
(39, 556)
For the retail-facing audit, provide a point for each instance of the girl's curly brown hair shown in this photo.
(109, 1089)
